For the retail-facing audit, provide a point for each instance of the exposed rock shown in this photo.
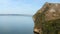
(47, 19)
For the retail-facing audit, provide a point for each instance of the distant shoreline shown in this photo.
(16, 15)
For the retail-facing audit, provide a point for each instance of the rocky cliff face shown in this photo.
(47, 19)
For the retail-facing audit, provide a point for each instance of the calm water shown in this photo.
(16, 25)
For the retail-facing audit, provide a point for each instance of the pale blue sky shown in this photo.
(22, 6)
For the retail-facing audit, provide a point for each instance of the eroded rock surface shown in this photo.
(47, 19)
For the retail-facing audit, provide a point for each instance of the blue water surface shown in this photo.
(16, 25)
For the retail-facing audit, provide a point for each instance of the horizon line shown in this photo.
(16, 15)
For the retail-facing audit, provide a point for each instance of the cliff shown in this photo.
(47, 19)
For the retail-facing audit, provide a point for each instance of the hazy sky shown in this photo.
(22, 6)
